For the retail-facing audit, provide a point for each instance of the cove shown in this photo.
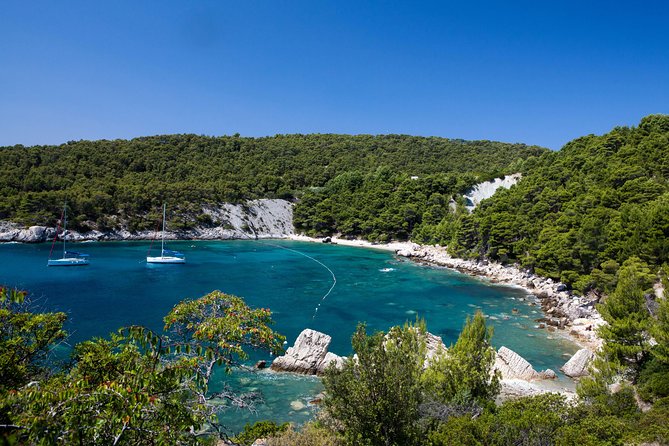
(291, 278)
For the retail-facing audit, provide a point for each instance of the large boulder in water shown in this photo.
(577, 366)
(308, 356)
(513, 366)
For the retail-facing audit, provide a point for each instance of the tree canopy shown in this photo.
(579, 213)
(137, 387)
(124, 182)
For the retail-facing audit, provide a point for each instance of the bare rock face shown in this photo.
(517, 388)
(264, 218)
(513, 366)
(308, 356)
(577, 366)
(33, 234)
(434, 346)
(548, 374)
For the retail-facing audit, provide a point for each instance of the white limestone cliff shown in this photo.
(264, 218)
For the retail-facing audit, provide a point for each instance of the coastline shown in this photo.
(567, 315)
(563, 313)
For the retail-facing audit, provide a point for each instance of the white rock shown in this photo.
(577, 366)
(513, 366)
(487, 189)
(518, 388)
(297, 405)
(264, 218)
(434, 346)
(308, 356)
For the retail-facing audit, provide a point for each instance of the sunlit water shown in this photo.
(118, 288)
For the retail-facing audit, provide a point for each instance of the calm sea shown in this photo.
(292, 279)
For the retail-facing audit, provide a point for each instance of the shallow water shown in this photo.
(118, 288)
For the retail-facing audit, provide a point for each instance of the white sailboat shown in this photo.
(70, 258)
(166, 255)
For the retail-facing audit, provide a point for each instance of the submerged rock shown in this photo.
(577, 366)
(308, 356)
(261, 364)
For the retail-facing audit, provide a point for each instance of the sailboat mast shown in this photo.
(64, 226)
(162, 242)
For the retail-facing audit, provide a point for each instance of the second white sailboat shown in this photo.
(166, 255)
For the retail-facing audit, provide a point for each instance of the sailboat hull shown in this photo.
(67, 262)
(166, 259)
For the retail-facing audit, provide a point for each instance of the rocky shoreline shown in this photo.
(309, 355)
(563, 311)
(265, 218)
(566, 314)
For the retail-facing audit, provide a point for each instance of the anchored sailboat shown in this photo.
(166, 255)
(70, 258)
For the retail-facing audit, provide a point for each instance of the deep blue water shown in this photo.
(118, 288)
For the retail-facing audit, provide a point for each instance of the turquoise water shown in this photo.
(118, 288)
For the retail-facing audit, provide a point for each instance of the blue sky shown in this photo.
(534, 72)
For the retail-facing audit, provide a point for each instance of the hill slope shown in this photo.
(577, 214)
(120, 182)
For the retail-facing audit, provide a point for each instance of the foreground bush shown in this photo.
(312, 434)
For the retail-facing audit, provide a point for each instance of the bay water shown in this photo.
(295, 280)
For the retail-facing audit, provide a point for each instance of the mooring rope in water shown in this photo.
(334, 278)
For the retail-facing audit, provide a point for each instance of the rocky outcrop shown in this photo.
(265, 218)
(12, 232)
(308, 356)
(577, 366)
(434, 347)
(517, 388)
(513, 366)
(487, 189)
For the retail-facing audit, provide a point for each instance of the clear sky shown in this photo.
(537, 72)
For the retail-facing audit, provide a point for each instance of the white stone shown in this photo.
(297, 405)
(577, 366)
(487, 189)
(513, 366)
(308, 356)
(264, 218)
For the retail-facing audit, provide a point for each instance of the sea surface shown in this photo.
(293, 279)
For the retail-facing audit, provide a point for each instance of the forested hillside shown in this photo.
(579, 213)
(107, 183)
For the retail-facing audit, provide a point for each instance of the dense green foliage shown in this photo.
(26, 338)
(386, 396)
(464, 376)
(635, 340)
(628, 320)
(139, 387)
(259, 429)
(376, 395)
(380, 205)
(466, 415)
(576, 215)
(130, 179)
(579, 213)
